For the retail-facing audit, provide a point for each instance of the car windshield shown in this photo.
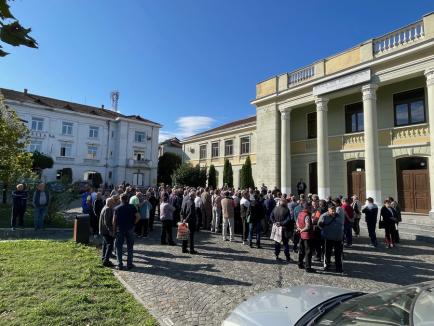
(391, 307)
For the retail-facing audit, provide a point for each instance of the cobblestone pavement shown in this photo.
(184, 289)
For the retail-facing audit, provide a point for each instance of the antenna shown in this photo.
(114, 95)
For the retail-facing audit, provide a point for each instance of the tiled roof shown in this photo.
(229, 125)
(10, 94)
(172, 142)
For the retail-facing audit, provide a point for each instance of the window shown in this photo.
(202, 152)
(354, 117)
(215, 150)
(245, 145)
(139, 137)
(93, 132)
(409, 107)
(66, 150)
(311, 125)
(37, 124)
(91, 152)
(229, 147)
(110, 174)
(139, 155)
(67, 128)
(35, 146)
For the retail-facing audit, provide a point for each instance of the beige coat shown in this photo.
(228, 207)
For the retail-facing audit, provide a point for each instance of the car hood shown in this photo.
(280, 306)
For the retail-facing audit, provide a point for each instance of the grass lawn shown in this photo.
(62, 283)
(5, 219)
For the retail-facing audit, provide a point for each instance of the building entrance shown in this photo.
(356, 179)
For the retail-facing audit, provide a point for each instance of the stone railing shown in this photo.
(38, 134)
(401, 37)
(409, 135)
(301, 75)
(353, 141)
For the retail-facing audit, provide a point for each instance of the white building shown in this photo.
(89, 139)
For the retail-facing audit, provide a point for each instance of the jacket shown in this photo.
(37, 196)
(19, 199)
(106, 221)
(371, 212)
(228, 207)
(256, 211)
(332, 226)
(188, 213)
(304, 218)
(389, 216)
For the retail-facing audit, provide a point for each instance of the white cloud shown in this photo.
(190, 125)
(187, 126)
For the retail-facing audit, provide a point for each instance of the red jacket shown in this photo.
(301, 223)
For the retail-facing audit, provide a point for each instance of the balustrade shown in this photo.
(403, 36)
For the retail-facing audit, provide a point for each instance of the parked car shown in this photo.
(318, 305)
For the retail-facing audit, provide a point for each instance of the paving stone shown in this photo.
(203, 289)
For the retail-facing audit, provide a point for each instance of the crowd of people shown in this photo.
(316, 228)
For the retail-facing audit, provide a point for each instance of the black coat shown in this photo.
(257, 211)
(188, 213)
(388, 216)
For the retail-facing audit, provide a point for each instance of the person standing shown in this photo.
(257, 214)
(389, 216)
(304, 227)
(41, 199)
(207, 209)
(19, 205)
(107, 232)
(228, 213)
(269, 203)
(301, 187)
(188, 215)
(371, 212)
(86, 201)
(332, 225)
(97, 207)
(357, 208)
(125, 216)
(348, 224)
(281, 217)
(217, 211)
(244, 212)
(166, 217)
(316, 231)
(154, 202)
(198, 204)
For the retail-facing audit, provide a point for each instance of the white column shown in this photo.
(430, 97)
(322, 148)
(285, 152)
(372, 154)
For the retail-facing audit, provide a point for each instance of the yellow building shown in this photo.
(353, 123)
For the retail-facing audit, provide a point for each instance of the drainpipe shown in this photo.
(107, 151)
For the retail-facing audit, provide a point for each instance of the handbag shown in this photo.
(276, 233)
(381, 223)
(183, 231)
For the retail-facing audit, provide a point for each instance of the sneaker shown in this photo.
(185, 251)
(310, 270)
(108, 264)
(119, 267)
(131, 266)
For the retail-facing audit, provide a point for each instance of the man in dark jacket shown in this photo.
(257, 214)
(371, 213)
(125, 217)
(188, 215)
(154, 202)
(280, 216)
(19, 204)
(41, 198)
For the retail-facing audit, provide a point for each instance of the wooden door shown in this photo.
(413, 191)
(357, 185)
(313, 178)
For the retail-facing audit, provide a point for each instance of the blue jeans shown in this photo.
(121, 237)
(39, 216)
(257, 227)
(348, 234)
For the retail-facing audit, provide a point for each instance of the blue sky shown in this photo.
(189, 65)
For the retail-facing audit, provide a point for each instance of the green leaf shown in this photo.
(4, 10)
(14, 34)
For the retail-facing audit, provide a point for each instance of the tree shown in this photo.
(167, 164)
(212, 177)
(246, 179)
(228, 174)
(15, 161)
(11, 32)
(188, 175)
(41, 161)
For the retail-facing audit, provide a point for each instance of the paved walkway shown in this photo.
(183, 289)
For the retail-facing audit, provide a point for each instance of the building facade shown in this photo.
(357, 122)
(88, 139)
(233, 141)
(172, 145)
